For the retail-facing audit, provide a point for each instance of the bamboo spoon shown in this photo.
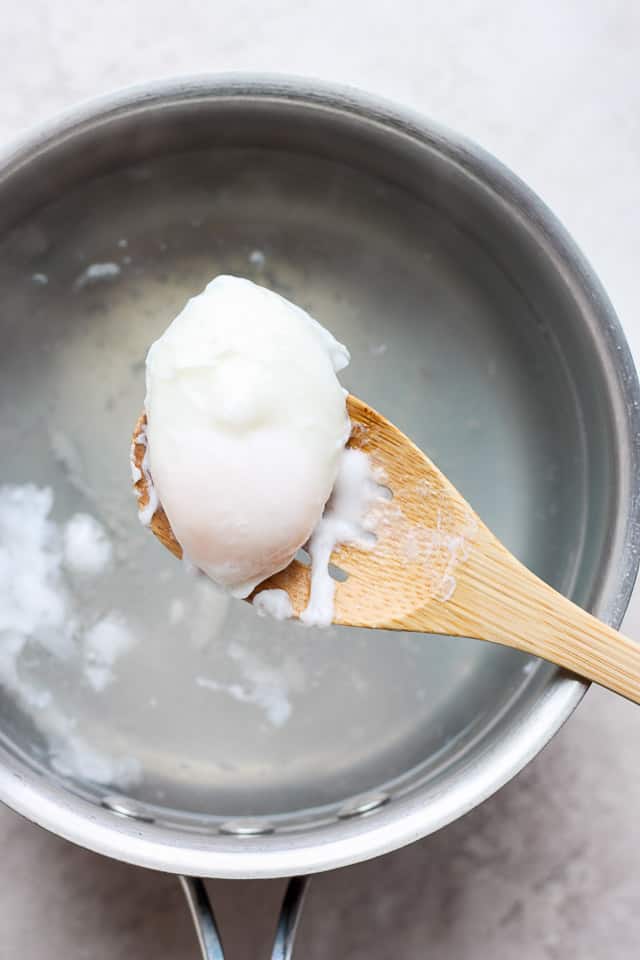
(437, 569)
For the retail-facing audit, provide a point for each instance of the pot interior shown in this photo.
(456, 333)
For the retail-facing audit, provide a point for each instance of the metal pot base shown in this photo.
(255, 748)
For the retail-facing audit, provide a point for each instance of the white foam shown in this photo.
(73, 756)
(40, 616)
(343, 521)
(104, 643)
(96, 272)
(70, 754)
(436, 550)
(136, 472)
(273, 603)
(11, 646)
(87, 549)
(261, 684)
(145, 514)
(34, 601)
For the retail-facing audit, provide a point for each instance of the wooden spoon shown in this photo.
(436, 568)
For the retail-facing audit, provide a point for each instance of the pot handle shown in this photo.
(207, 930)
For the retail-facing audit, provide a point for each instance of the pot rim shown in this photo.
(408, 818)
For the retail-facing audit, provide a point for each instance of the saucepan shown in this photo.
(149, 718)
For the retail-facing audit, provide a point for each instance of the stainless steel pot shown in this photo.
(228, 747)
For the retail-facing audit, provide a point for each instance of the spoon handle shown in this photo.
(497, 599)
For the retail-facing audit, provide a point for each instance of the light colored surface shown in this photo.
(549, 867)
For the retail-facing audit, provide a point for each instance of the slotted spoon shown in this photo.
(437, 569)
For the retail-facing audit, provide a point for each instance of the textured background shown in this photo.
(549, 867)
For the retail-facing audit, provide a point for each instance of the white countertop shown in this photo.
(548, 867)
